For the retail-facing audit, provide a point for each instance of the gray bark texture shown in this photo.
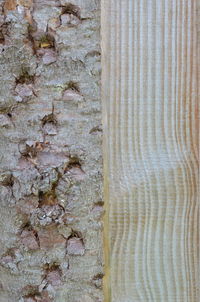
(51, 158)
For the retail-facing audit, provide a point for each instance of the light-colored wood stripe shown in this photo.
(151, 150)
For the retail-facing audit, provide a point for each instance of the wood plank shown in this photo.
(151, 150)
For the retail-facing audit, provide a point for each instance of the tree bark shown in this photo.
(51, 161)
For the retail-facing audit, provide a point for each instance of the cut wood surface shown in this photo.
(150, 117)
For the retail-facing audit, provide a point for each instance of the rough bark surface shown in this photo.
(51, 161)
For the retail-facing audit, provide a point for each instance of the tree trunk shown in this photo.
(51, 161)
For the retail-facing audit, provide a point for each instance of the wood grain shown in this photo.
(151, 150)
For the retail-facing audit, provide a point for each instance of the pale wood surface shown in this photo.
(150, 117)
